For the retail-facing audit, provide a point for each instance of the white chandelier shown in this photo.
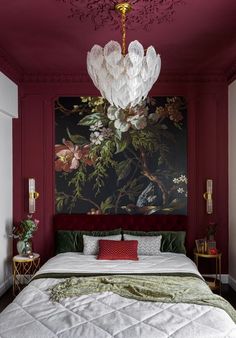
(123, 79)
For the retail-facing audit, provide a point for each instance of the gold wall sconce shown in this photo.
(208, 196)
(33, 195)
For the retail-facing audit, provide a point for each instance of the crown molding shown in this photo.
(10, 68)
(231, 73)
(83, 77)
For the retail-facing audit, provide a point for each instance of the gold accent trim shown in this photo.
(36, 195)
(215, 284)
(219, 254)
(207, 195)
(24, 269)
(123, 7)
(33, 195)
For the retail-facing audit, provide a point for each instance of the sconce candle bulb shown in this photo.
(208, 196)
(33, 195)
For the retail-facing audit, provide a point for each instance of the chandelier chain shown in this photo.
(123, 27)
(123, 8)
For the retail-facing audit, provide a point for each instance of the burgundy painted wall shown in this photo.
(207, 153)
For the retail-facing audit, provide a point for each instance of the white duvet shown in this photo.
(104, 315)
(79, 263)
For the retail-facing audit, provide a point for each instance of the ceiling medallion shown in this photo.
(144, 13)
(123, 79)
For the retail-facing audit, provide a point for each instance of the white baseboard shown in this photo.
(5, 285)
(232, 283)
(224, 278)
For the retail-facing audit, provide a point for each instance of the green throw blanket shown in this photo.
(166, 289)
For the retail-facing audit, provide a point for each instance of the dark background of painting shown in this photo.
(177, 156)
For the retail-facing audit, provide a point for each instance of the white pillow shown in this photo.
(147, 245)
(91, 244)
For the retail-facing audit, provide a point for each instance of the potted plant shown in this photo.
(24, 231)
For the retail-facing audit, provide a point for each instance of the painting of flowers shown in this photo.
(116, 161)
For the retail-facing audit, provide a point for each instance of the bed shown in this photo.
(77, 295)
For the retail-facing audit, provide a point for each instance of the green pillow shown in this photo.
(172, 241)
(72, 241)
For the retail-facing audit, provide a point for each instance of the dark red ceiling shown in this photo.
(41, 38)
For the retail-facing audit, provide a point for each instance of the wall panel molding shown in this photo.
(207, 104)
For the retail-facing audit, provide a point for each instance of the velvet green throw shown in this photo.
(166, 289)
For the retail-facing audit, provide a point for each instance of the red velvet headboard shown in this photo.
(130, 222)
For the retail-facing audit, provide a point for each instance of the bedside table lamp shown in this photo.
(33, 195)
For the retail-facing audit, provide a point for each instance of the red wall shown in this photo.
(207, 153)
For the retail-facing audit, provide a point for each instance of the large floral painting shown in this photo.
(113, 161)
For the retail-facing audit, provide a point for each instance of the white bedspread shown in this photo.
(33, 315)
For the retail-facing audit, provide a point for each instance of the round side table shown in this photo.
(23, 270)
(214, 284)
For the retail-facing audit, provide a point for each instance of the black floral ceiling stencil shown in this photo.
(144, 12)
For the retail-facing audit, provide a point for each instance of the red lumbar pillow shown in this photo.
(118, 250)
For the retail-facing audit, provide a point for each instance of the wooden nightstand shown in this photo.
(215, 283)
(23, 270)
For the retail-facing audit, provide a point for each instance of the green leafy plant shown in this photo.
(25, 229)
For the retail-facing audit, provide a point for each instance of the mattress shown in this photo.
(107, 314)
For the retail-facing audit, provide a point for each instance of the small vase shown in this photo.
(20, 245)
(23, 247)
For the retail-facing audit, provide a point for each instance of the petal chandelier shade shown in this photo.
(123, 79)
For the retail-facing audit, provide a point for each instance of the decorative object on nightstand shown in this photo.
(24, 232)
(215, 282)
(24, 269)
(211, 231)
(200, 245)
(204, 246)
(211, 247)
